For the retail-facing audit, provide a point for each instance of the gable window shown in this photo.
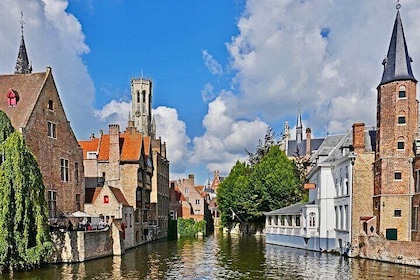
(400, 145)
(106, 199)
(397, 213)
(397, 175)
(197, 202)
(50, 105)
(52, 130)
(64, 170)
(52, 204)
(401, 119)
(12, 98)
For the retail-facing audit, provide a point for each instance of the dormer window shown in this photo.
(12, 98)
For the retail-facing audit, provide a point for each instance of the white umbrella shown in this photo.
(80, 214)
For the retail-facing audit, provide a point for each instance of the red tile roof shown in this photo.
(89, 146)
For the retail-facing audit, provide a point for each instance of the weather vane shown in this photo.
(398, 5)
(21, 22)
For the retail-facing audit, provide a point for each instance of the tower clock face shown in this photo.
(137, 113)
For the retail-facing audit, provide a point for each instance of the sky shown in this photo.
(222, 71)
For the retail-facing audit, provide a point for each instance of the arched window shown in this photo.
(312, 219)
(138, 97)
(143, 94)
(12, 98)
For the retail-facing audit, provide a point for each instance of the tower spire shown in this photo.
(397, 64)
(23, 66)
(299, 127)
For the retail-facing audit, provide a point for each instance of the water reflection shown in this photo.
(221, 257)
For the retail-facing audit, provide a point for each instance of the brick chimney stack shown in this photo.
(114, 151)
(308, 141)
(359, 138)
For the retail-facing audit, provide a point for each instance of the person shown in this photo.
(70, 226)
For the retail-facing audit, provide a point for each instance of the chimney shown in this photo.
(359, 138)
(114, 150)
(308, 142)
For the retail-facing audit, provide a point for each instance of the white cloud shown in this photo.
(214, 67)
(207, 92)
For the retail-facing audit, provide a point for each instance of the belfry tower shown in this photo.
(141, 96)
(23, 66)
(397, 127)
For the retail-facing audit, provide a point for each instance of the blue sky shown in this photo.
(222, 71)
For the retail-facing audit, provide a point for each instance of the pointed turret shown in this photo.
(23, 66)
(397, 64)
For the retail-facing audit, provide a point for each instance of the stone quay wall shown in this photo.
(380, 249)
(79, 246)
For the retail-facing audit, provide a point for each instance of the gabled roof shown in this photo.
(91, 194)
(130, 146)
(119, 196)
(28, 87)
(397, 65)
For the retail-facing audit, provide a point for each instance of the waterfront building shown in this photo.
(397, 132)
(119, 162)
(33, 104)
(330, 221)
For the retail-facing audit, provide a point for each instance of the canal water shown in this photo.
(221, 257)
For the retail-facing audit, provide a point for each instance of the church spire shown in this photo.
(23, 66)
(397, 64)
(299, 127)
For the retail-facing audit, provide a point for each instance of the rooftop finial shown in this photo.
(398, 6)
(21, 22)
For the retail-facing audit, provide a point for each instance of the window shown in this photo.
(186, 190)
(397, 213)
(297, 221)
(138, 197)
(64, 170)
(51, 105)
(397, 175)
(12, 98)
(417, 181)
(401, 119)
(106, 199)
(400, 145)
(282, 219)
(197, 202)
(78, 208)
(415, 218)
(52, 130)
(312, 221)
(138, 97)
(91, 155)
(402, 94)
(52, 204)
(76, 172)
(143, 94)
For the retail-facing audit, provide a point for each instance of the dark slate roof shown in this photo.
(22, 62)
(397, 65)
(289, 210)
(293, 146)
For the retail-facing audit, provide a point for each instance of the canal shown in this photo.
(221, 257)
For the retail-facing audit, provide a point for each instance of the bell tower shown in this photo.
(141, 100)
(397, 125)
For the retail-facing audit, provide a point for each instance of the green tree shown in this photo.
(262, 147)
(24, 234)
(271, 183)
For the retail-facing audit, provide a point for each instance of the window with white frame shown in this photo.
(52, 130)
(91, 155)
(64, 170)
(312, 219)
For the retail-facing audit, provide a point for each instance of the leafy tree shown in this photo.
(24, 234)
(271, 183)
(262, 147)
(230, 190)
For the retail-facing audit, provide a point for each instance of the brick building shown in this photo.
(32, 102)
(397, 129)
